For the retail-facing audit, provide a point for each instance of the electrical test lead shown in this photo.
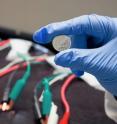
(46, 99)
(60, 76)
(53, 116)
(18, 87)
(20, 84)
(46, 96)
(16, 61)
(8, 86)
(7, 106)
(17, 66)
(5, 99)
(66, 116)
(4, 106)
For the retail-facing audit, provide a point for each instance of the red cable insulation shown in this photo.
(66, 115)
(2, 43)
(17, 66)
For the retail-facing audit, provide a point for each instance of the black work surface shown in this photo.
(87, 104)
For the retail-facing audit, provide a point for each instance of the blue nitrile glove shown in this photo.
(101, 62)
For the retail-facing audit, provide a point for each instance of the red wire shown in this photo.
(17, 66)
(2, 43)
(66, 116)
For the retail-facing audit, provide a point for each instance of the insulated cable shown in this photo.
(4, 44)
(66, 116)
(6, 102)
(60, 76)
(53, 117)
(46, 99)
(37, 109)
(17, 66)
(20, 84)
(8, 86)
(4, 47)
(29, 58)
(18, 87)
(11, 64)
(5, 99)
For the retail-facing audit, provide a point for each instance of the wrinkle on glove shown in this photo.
(100, 62)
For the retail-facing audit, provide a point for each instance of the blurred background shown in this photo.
(29, 15)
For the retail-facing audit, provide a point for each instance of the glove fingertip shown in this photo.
(63, 58)
(40, 36)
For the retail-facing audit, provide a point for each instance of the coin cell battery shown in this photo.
(61, 43)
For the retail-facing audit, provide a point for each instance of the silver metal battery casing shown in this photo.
(61, 42)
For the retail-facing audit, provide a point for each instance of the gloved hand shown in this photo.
(102, 61)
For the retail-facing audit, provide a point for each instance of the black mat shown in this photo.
(87, 104)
